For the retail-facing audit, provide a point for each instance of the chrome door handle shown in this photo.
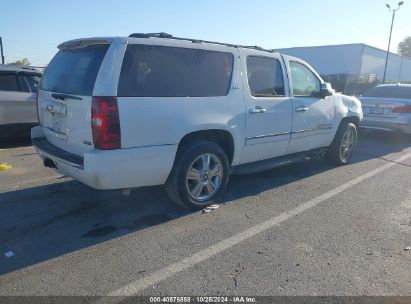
(257, 110)
(301, 109)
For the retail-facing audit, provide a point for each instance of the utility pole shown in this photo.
(389, 41)
(1, 50)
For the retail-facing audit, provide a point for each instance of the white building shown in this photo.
(354, 67)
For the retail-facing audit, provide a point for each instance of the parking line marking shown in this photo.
(155, 277)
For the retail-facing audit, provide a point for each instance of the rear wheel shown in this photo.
(344, 144)
(199, 176)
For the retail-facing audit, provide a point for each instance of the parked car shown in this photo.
(18, 91)
(152, 109)
(387, 107)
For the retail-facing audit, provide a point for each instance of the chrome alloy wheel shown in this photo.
(204, 177)
(347, 144)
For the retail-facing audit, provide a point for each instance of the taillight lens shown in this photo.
(402, 109)
(105, 123)
(37, 107)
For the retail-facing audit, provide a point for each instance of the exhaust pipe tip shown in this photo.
(49, 163)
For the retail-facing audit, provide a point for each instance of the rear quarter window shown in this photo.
(161, 71)
(74, 71)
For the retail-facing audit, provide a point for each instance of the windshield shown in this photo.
(74, 71)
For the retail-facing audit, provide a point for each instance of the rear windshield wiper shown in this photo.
(62, 96)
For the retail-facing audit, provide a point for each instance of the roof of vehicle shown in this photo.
(16, 68)
(406, 85)
(162, 36)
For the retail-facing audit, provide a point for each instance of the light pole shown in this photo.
(389, 41)
(1, 51)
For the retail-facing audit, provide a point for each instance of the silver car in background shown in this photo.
(18, 92)
(387, 107)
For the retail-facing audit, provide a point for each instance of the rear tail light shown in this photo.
(37, 107)
(105, 123)
(402, 109)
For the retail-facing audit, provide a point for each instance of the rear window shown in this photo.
(160, 71)
(74, 71)
(389, 92)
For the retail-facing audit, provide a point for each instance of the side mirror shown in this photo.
(326, 90)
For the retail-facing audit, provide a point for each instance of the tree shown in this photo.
(404, 48)
(23, 62)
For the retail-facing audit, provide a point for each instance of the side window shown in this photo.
(162, 71)
(265, 77)
(8, 82)
(305, 82)
(33, 82)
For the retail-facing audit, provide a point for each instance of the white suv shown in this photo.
(153, 109)
(18, 90)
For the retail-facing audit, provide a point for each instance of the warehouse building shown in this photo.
(352, 68)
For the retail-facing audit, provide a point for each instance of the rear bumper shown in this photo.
(114, 169)
(397, 125)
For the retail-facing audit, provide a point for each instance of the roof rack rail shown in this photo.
(168, 36)
(28, 68)
(256, 47)
(148, 35)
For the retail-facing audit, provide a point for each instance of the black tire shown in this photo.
(335, 152)
(177, 186)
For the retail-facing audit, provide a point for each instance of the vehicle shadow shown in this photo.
(15, 143)
(371, 145)
(379, 143)
(41, 223)
(15, 136)
(45, 222)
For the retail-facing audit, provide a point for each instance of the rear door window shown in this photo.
(74, 71)
(8, 82)
(265, 77)
(162, 71)
(389, 92)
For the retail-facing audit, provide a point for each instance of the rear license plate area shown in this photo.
(54, 117)
(376, 111)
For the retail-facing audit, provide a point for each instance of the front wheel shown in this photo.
(343, 145)
(199, 176)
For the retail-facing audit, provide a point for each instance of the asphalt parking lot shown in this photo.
(307, 229)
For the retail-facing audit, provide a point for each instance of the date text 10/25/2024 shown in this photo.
(205, 299)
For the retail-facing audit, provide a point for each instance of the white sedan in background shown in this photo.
(387, 107)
